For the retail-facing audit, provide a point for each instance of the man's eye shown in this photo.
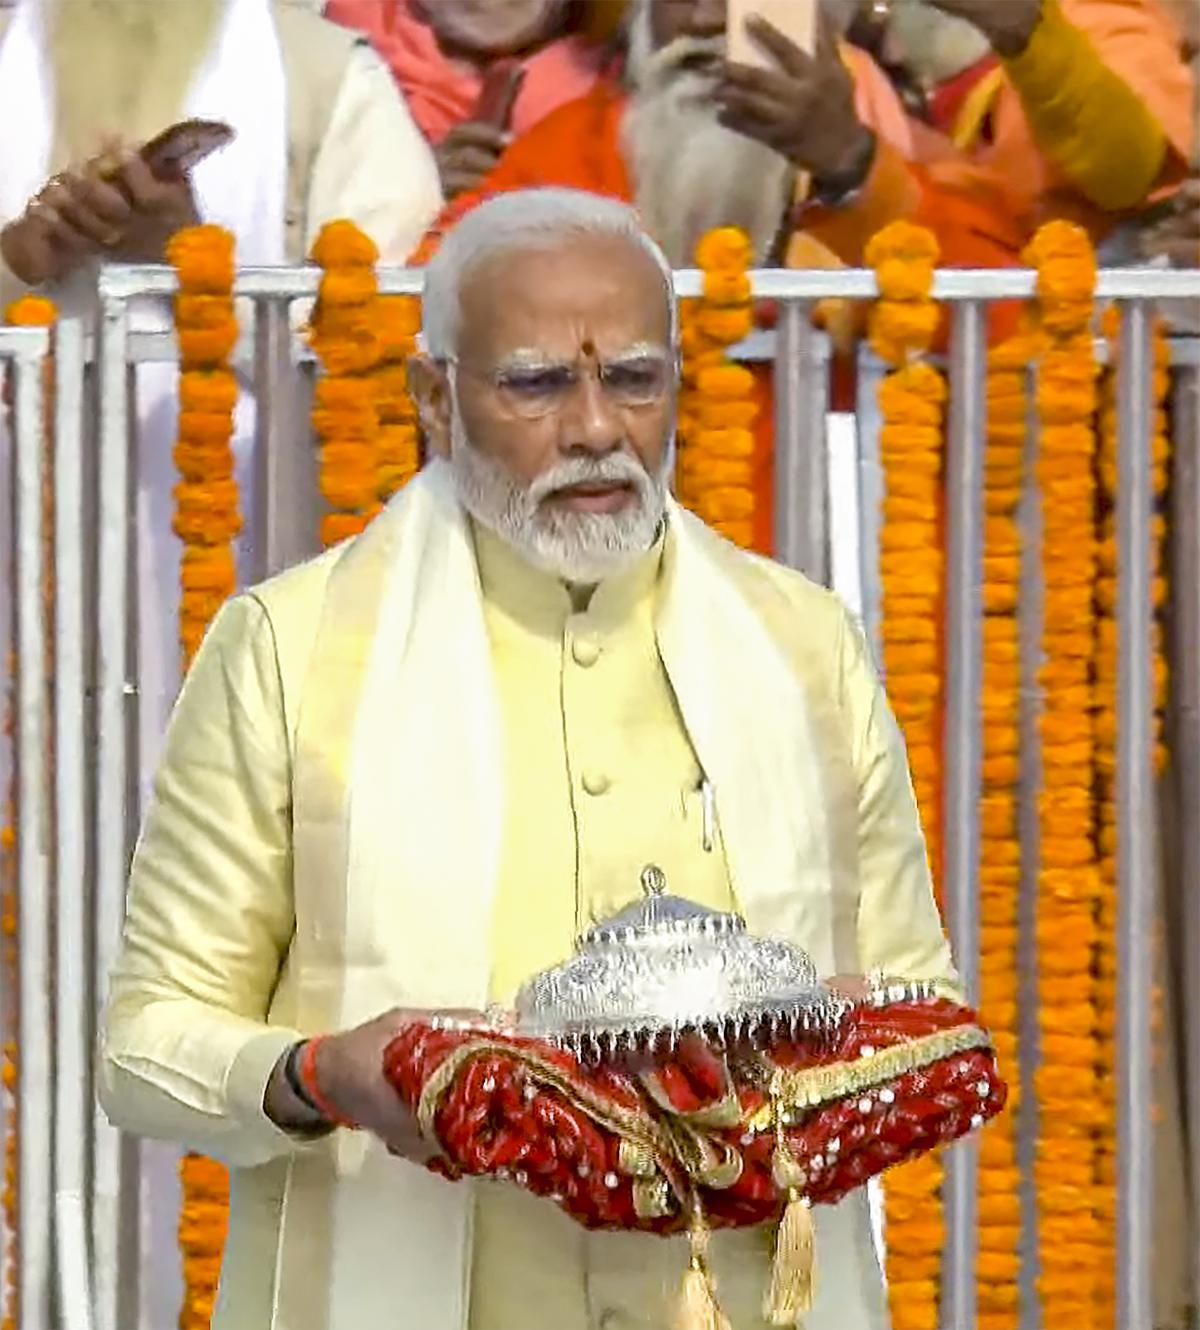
(640, 378)
(536, 382)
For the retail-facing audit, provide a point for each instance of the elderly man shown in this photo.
(322, 134)
(476, 72)
(406, 775)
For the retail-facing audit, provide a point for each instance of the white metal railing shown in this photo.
(77, 1176)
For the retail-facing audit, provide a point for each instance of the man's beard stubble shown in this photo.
(123, 67)
(690, 173)
(582, 548)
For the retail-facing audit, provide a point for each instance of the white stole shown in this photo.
(398, 793)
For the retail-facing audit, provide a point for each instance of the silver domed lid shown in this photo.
(666, 966)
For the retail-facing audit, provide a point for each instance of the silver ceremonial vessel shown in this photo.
(665, 967)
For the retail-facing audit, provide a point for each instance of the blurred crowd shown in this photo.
(979, 118)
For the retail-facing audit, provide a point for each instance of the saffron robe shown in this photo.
(324, 841)
(1092, 120)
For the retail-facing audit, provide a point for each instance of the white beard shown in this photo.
(691, 174)
(932, 45)
(582, 548)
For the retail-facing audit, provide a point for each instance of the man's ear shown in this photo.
(430, 388)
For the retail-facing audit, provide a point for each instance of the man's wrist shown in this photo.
(836, 187)
(285, 1102)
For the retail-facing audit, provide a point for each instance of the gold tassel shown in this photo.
(698, 1305)
(793, 1273)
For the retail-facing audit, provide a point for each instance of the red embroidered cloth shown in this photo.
(642, 1146)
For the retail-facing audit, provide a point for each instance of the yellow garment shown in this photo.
(1085, 116)
(594, 742)
(301, 872)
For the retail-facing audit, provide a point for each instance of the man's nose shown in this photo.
(706, 18)
(591, 422)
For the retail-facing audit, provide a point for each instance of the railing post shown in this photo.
(801, 463)
(115, 699)
(963, 756)
(34, 850)
(286, 498)
(1185, 752)
(72, 1106)
(869, 420)
(1136, 822)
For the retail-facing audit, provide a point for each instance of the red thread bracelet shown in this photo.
(306, 1068)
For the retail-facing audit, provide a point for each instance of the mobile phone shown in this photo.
(183, 146)
(796, 19)
(501, 87)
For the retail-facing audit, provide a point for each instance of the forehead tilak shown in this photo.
(532, 357)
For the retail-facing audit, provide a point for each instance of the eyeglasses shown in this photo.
(535, 391)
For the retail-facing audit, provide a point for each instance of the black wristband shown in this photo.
(833, 190)
(291, 1074)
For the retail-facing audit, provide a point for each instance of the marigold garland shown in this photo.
(999, 1175)
(1106, 757)
(715, 469)
(346, 335)
(912, 399)
(28, 311)
(207, 517)
(1069, 884)
(207, 520)
(398, 456)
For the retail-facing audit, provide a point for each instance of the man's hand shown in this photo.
(804, 109)
(467, 154)
(1178, 237)
(74, 216)
(1007, 24)
(158, 209)
(349, 1074)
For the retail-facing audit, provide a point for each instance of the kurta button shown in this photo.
(595, 782)
(585, 651)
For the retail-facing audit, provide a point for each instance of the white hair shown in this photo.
(522, 219)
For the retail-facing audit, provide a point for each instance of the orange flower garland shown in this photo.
(715, 474)
(1069, 886)
(346, 336)
(27, 312)
(911, 399)
(399, 443)
(1106, 757)
(207, 520)
(999, 867)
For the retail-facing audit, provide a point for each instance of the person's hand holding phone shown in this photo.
(112, 206)
(75, 215)
(471, 150)
(159, 206)
(803, 106)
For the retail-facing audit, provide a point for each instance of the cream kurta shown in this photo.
(325, 842)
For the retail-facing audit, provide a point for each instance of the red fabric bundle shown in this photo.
(644, 1146)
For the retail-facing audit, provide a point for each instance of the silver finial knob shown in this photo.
(654, 880)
